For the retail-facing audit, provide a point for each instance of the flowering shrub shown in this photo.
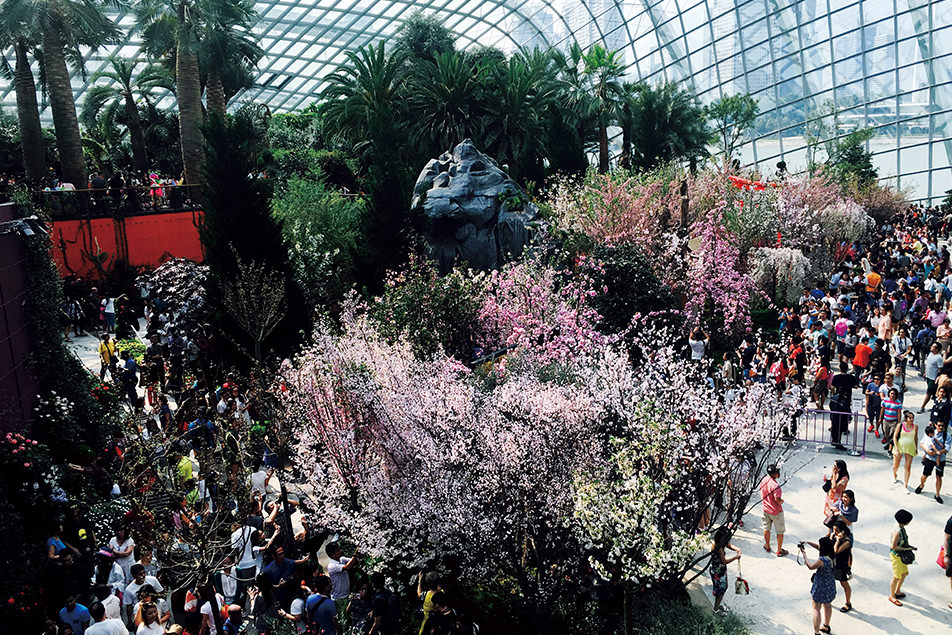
(429, 464)
(135, 348)
(678, 452)
(541, 310)
(717, 283)
(781, 272)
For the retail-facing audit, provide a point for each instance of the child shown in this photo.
(821, 385)
(719, 562)
(889, 418)
(899, 547)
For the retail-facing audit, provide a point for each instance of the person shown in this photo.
(208, 617)
(107, 358)
(358, 611)
(321, 609)
(842, 560)
(110, 601)
(104, 625)
(296, 614)
(889, 418)
(821, 385)
(845, 509)
(74, 615)
(55, 544)
(243, 540)
(280, 573)
(698, 341)
(719, 562)
(131, 593)
(841, 404)
(432, 583)
(874, 404)
(823, 590)
(936, 448)
(839, 480)
(262, 607)
(444, 620)
(150, 621)
(226, 580)
(122, 547)
(385, 609)
(233, 625)
(861, 357)
(947, 557)
(899, 544)
(933, 363)
(905, 444)
(109, 313)
(129, 378)
(147, 595)
(771, 495)
(338, 570)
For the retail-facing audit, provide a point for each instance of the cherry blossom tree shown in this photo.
(499, 475)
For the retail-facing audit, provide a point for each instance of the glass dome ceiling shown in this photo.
(886, 64)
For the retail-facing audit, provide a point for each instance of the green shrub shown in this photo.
(433, 312)
(322, 230)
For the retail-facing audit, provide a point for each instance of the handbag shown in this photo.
(831, 520)
(741, 587)
(826, 485)
(941, 559)
(906, 556)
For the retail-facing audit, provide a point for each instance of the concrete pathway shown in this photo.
(779, 601)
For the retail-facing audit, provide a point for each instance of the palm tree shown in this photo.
(603, 69)
(63, 26)
(516, 132)
(626, 120)
(229, 51)
(445, 101)
(173, 28)
(365, 99)
(572, 130)
(28, 112)
(668, 124)
(124, 88)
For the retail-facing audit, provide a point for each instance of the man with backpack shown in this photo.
(321, 610)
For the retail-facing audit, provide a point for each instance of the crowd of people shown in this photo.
(220, 491)
(120, 192)
(847, 348)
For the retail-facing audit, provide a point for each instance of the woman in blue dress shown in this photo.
(824, 585)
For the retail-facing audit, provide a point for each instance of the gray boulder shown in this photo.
(474, 212)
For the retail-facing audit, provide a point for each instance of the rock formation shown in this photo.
(474, 212)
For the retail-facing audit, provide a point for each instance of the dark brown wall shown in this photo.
(18, 387)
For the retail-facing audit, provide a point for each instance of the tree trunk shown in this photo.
(140, 155)
(189, 92)
(602, 148)
(625, 160)
(215, 94)
(28, 114)
(68, 140)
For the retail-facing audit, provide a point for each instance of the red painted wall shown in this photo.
(91, 247)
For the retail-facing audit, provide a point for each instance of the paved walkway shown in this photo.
(779, 601)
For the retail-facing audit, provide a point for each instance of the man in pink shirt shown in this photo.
(773, 508)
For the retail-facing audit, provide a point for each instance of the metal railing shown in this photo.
(816, 426)
(123, 201)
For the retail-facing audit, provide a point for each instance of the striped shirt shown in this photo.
(891, 409)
